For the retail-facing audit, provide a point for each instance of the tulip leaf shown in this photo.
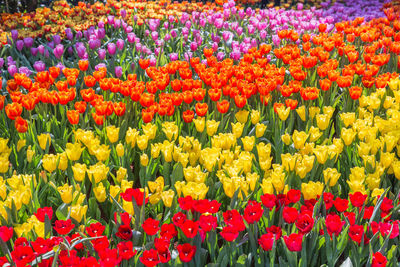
(62, 212)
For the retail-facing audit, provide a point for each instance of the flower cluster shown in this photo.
(194, 134)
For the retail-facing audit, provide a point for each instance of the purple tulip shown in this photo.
(39, 66)
(218, 23)
(99, 66)
(101, 53)
(123, 13)
(28, 42)
(110, 20)
(117, 24)
(131, 37)
(118, 71)
(174, 33)
(56, 39)
(193, 46)
(173, 56)
(120, 44)
(1, 62)
(94, 43)
(78, 35)
(58, 51)
(166, 25)
(20, 45)
(111, 48)
(12, 69)
(153, 61)
(101, 33)
(167, 37)
(25, 71)
(220, 56)
(14, 35)
(154, 35)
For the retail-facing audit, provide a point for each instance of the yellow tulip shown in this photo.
(49, 162)
(167, 150)
(102, 153)
(155, 150)
(242, 116)
(348, 118)
(112, 133)
(313, 111)
(387, 159)
(121, 174)
(62, 161)
(142, 142)
(167, 197)
(100, 192)
(394, 84)
(125, 184)
(20, 144)
(154, 198)
(114, 190)
(286, 139)
(128, 207)
(255, 116)
(283, 113)
(131, 136)
(328, 110)
(237, 129)
(65, 193)
(248, 142)
(331, 176)
(311, 190)
(144, 159)
(321, 153)
(260, 129)
(263, 150)
(288, 161)
(78, 212)
(301, 111)
(79, 171)
(120, 150)
(44, 140)
(74, 151)
(170, 130)
(29, 154)
(199, 123)
(98, 172)
(299, 139)
(212, 127)
(252, 179)
(3, 144)
(150, 130)
(4, 164)
(157, 185)
(322, 121)
(347, 136)
(267, 186)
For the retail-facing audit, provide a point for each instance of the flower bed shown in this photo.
(221, 136)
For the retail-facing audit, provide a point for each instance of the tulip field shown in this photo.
(200, 134)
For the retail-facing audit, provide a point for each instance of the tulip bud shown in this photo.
(120, 150)
(144, 160)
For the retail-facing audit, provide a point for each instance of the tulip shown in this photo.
(112, 133)
(65, 193)
(120, 150)
(100, 193)
(144, 160)
(44, 141)
(49, 162)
